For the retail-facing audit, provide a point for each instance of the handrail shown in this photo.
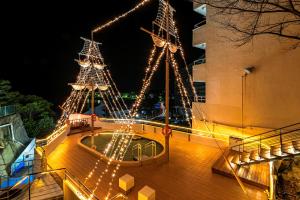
(139, 150)
(52, 136)
(67, 176)
(200, 24)
(81, 186)
(27, 177)
(265, 138)
(120, 195)
(151, 144)
(272, 130)
(260, 140)
(200, 61)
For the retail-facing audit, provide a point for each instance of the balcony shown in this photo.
(199, 33)
(199, 70)
(200, 99)
(200, 8)
(199, 61)
(7, 110)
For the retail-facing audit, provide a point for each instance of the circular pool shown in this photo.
(149, 148)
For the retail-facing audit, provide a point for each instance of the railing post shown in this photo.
(280, 135)
(29, 187)
(259, 148)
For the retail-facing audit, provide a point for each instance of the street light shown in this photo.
(247, 71)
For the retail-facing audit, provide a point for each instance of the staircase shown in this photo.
(271, 145)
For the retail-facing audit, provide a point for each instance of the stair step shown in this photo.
(276, 151)
(296, 145)
(245, 157)
(254, 156)
(265, 153)
(288, 148)
(236, 159)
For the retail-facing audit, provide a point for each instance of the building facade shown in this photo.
(255, 85)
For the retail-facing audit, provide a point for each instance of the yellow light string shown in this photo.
(146, 84)
(150, 61)
(114, 96)
(204, 116)
(76, 106)
(182, 89)
(115, 87)
(120, 158)
(118, 155)
(84, 102)
(90, 174)
(185, 63)
(180, 79)
(116, 19)
(187, 70)
(106, 104)
(112, 143)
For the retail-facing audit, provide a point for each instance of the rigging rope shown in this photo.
(116, 19)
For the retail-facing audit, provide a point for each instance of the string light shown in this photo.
(182, 89)
(146, 83)
(117, 147)
(116, 19)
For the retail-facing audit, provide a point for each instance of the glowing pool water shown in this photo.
(103, 139)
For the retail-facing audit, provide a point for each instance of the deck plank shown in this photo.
(187, 176)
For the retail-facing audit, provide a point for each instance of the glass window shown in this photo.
(201, 91)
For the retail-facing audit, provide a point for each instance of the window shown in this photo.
(201, 91)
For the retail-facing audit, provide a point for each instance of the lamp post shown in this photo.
(247, 71)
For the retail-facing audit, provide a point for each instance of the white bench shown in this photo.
(146, 193)
(126, 182)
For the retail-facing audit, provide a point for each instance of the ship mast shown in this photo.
(167, 88)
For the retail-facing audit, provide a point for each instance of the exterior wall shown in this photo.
(272, 91)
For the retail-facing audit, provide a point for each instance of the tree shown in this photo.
(7, 97)
(251, 18)
(36, 112)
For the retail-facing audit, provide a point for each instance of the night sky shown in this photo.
(41, 41)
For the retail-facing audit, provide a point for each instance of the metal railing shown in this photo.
(270, 138)
(24, 184)
(119, 197)
(7, 110)
(52, 137)
(151, 145)
(200, 61)
(203, 22)
(138, 148)
(79, 123)
(201, 99)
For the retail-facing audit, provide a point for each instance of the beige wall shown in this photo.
(272, 91)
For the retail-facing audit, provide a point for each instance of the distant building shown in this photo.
(270, 96)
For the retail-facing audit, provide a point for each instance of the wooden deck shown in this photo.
(188, 175)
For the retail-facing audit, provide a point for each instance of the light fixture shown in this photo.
(249, 70)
